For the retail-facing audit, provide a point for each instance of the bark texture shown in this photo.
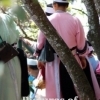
(97, 5)
(94, 28)
(79, 79)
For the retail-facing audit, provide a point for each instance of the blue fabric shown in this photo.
(94, 61)
(32, 94)
(31, 78)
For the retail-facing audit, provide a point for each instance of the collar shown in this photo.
(59, 11)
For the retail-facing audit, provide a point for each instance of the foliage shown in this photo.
(27, 27)
(19, 12)
(6, 2)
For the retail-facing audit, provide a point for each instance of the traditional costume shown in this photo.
(94, 64)
(10, 72)
(58, 82)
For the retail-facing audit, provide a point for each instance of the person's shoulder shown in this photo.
(52, 17)
(67, 13)
(75, 18)
(72, 16)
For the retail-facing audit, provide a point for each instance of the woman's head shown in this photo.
(60, 4)
(32, 67)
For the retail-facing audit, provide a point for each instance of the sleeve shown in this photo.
(82, 45)
(40, 41)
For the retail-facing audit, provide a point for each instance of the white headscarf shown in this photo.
(49, 9)
(8, 29)
(61, 1)
(32, 62)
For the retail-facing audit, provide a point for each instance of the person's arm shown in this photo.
(82, 45)
(40, 42)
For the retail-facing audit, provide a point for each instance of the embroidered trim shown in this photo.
(38, 51)
(83, 50)
(73, 48)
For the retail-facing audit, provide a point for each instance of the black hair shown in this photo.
(61, 4)
(49, 5)
(48, 14)
(88, 42)
(33, 67)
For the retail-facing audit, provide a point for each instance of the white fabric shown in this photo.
(14, 79)
(61, 1)
(91, 48)
(49, 10)
(31, 62)
(8, 29)
(8, 84)
(57, 79)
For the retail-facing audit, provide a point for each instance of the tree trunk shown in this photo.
(79, 79)
(97, 5)
(94, 28)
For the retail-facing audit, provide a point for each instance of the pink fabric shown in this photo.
(39, 74)
(95, 83)
(69, 28)
(52, 89)
(98, 69)
(40, 40)
(71, 31)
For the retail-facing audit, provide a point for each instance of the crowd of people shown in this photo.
(71, 31)
(48, 68)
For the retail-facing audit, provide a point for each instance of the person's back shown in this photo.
(66, 25)
(10, 72)
(70, 29)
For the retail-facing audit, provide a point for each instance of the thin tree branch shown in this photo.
(18, 24)
(80, 11)
(24, 32)
(3, 11)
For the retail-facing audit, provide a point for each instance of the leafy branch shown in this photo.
(19, 25)
(80, 11)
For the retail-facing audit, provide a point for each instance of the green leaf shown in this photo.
(6, 2)
(19, 12)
